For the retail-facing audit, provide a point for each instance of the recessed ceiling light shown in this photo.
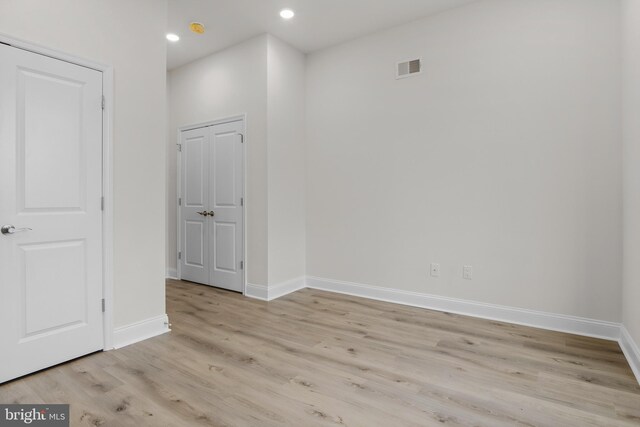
(173, 37)
(287, 13)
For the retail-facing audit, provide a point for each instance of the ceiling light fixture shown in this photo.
(173, 37)
(197, 28)
(287, 13)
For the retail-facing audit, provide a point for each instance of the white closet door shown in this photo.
(225, 202)
(195, 200)
(212, 221)
(50, 212)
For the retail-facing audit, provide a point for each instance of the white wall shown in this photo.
(286, 161)
(225, 84)
(504, 154)
(631, 102)
(109, 32)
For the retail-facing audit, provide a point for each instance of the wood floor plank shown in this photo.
(314, 358)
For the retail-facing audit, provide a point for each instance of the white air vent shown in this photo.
(408, 68)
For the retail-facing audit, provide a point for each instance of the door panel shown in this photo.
(225, 247)
(63, 261)
(57, 102)
(50, 182)
(194, 148)
(225, 192)
(194, 263)
(194, 248)
(212, 182)
(224, 148)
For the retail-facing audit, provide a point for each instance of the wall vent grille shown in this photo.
(408, 68)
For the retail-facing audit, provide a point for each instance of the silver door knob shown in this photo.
(10, 229)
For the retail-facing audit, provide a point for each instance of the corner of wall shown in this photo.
(630, 16)
(285, 163)
(140, 331)
(631, 350)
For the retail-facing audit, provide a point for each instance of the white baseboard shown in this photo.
(269, 293)
(536, 319)
(257, 292)
(172, 273)
(631, 351)
(285, 288)
(140, 331)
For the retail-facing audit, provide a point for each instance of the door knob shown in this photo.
(212, 213)
(10, 229)
(205, 213)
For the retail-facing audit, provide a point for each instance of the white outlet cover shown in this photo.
(467, 272)
(435, 269)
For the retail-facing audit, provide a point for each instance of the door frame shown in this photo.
(107, 168)
(238, 117)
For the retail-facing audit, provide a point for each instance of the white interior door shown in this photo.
(226, 205)
(51, 183)
(195, 200)
(212, 220)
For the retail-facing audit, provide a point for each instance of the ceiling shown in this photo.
(317, 24)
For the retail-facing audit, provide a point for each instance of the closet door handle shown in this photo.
(10, 229)
(205, 213)
(212, 213)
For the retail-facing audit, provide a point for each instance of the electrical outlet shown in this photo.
(435, 269)
(467, 272)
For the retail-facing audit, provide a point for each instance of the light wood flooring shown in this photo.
(319, 359)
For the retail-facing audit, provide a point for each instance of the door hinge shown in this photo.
(101, 203)
(103, 305)
(241, 265)
(241, 201)
(179, 147)
(179, 201)
(241, 138)
(179, 255)
(104, 102)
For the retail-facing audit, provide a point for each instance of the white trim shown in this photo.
(235, 118)
(285, 288)
(107, 168)
(245, 175)
(229, 119)
(52, 53)
(270, 293)
(178, 205)
(108, 213)
(140, 331)
(172, 273)
(519, 316)
(260, 292)
(631, 351)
